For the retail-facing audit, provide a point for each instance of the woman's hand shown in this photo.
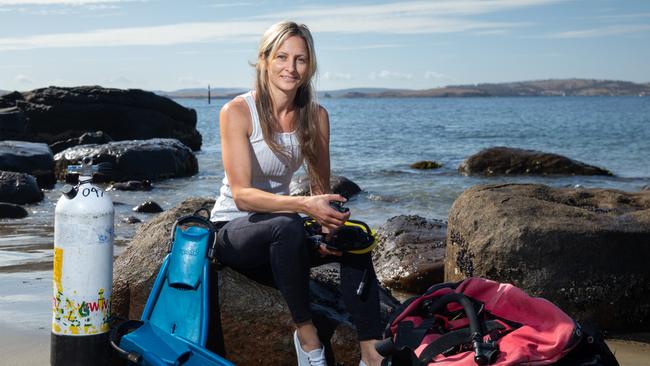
(318, 207)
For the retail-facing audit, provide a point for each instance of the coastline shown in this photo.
(25, 323)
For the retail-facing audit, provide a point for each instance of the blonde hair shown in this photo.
(305, 101)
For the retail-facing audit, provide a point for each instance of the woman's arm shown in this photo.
(235, 127)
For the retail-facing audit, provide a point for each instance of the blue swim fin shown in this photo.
(174, 326)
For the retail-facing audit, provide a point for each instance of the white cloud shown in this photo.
(230, 5)
(152, 36)
(58, 2)
(414, 17)
(491, 32)
(410, 8)
(601, 32)
(434, 75)
(623, 16)
(438, 78)
(390, 75)
(363, 47)
(23, 79)
(328, 75)
(193, 81)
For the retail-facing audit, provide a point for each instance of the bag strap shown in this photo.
(409, 336)
(449, 341)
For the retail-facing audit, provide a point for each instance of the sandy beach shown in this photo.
(25, 340)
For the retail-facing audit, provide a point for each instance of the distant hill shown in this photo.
(202, 92)
(536, 88)
(3, 92)
(553, 87)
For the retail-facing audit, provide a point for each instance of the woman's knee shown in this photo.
(288, 226)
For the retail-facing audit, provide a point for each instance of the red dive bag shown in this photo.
(482, 322)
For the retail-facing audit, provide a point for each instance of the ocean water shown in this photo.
(373, 141)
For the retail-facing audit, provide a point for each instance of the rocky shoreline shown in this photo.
(584, 249)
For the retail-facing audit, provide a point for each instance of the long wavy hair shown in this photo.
(306, 124)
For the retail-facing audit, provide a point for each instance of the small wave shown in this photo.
(383, 198)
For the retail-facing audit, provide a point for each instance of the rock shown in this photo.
(19, 188)
(28, 157)
(646, 187)
(11, 211)
(511, 161)
(586, 250)
(9, 100)
(410, 253)
(57, 114)
(13, 122)
(131, 220)
(134, 160)
(338, 184)
(426, 164)
(256, 323)
(132, 185)
(148, 207)
(97, 137)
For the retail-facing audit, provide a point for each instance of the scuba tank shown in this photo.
(83, 271)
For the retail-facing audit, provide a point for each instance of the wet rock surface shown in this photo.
(148, 207)
(131, 220)
(426, 164)
(586, 250)
(32, 158)
(11, 211)
(410, 254)
(132, 185)
(134, 160)
(513, 161)
(338, 184)
(57, 114)
(257, 326)
(97, 137)
(19, 188)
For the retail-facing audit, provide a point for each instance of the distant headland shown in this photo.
(534, 88)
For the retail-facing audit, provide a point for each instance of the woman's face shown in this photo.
(288, 68)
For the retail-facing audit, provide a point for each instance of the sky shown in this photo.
(170, 45)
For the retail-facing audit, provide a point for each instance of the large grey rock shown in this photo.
(256, 323)
(28, 157)
(58, 114)
(338, 184)
(512, 161)
(19, 188)
(134, 160)
(587, 250)
(410, 253)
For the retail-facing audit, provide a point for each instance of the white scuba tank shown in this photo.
(83, 261)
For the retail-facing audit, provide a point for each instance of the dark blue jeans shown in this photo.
(259, 240)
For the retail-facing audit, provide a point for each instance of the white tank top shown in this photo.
(270, 172)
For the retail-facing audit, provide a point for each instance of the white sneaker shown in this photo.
(311, 358)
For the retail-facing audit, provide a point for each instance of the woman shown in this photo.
(266, 134)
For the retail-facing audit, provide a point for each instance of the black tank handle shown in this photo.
(484, 353)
